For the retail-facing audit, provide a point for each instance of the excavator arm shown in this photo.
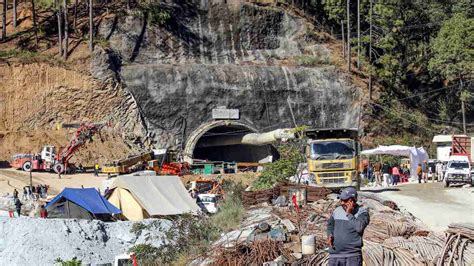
(83, 134)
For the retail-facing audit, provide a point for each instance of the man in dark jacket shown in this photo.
(345, 229)
(18, 205)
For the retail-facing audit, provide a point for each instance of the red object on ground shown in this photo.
(134, 259)
(293, 198)
(11, 214)
(44, 213)
(174, 168)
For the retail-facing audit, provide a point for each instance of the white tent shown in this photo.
(144, 196)
(416, 155)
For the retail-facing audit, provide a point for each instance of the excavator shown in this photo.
(49, 160)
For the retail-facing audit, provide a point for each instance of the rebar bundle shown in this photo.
(458, 248)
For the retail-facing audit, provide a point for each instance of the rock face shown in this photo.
(262, 61)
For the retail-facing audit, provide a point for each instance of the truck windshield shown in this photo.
(459, 165)
(329, 150)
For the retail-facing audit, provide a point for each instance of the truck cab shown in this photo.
(333, 157)
(458, 171)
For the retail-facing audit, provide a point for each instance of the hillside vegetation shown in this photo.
(422, 57)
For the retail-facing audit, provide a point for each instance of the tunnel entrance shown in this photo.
(222, 143)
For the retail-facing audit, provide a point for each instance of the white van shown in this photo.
(458, 171)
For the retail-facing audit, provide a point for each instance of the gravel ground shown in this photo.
(33, 241)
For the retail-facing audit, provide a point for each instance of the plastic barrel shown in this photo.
(308, 245)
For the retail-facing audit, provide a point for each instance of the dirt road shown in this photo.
(11, 178)
(435, 205)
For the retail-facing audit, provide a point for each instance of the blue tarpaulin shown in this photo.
(87, 198)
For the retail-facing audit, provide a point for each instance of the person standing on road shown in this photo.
(25, 194)
(395, 175)
(419, 173)
(345, 229)
(386, 174)
(18, 205)
(370, 173)
(425, 170)
(96, 169)
(28, 191)
(439, 171)
(378, 175)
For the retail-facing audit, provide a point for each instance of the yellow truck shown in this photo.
(333, 157)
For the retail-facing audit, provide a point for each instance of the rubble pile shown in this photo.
(393, 237)
(23, 240)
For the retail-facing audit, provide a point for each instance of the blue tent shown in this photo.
(82, 203)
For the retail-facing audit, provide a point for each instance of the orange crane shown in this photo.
(48, 160)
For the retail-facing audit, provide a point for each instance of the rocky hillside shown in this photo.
(158, 81)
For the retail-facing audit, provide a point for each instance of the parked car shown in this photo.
(458, 171)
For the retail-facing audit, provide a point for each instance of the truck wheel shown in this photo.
(59, 168)
(446, 184)
(26, 166)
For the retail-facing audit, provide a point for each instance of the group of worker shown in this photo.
(30, 193)
(423, 171)
(34, 192)
(386, 175)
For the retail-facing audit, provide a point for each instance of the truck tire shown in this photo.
(446, 184)
(27, 166)
(59, 168)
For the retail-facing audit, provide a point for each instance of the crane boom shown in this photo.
(83, 134)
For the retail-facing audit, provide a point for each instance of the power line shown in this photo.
(434, 90)
(402, 118)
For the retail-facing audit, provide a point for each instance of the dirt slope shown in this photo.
(36, 98)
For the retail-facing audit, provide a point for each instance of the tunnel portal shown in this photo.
(223, 143)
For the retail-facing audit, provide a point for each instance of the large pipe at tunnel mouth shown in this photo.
(223, 138)
(257, 139)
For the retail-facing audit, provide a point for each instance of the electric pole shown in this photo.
(31, 176)
(463, 110)
(348, 37)
(358, 34)
(370, 51)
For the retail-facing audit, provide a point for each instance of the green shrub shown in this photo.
(291, 156)
(44, 4)
(157, 15)
(18, 53)
(73, 262)
(137, 228)
(146, 254)
(189, 236)
(311, 60)
(230, 213)
(102, 42)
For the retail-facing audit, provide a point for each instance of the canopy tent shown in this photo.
(81, 203)
(141, 197)
(416, 155)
